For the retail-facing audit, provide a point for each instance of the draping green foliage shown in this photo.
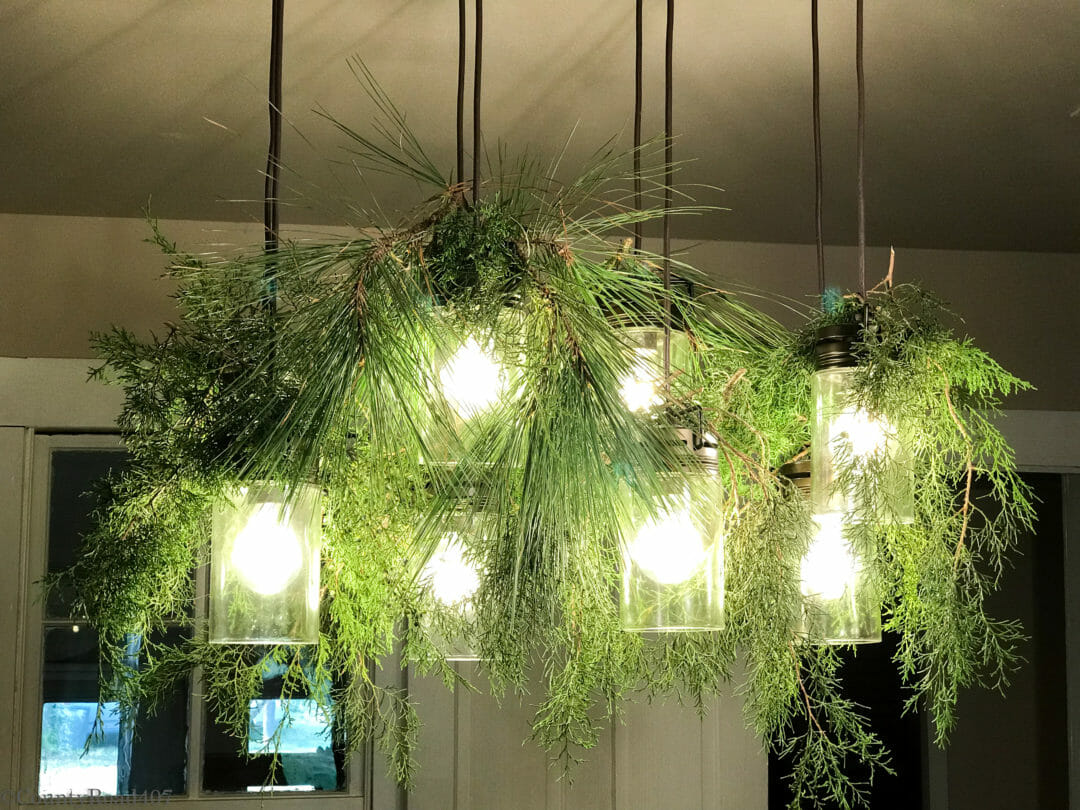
(338, 385)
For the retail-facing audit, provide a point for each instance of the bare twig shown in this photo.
(760, 436)
(564, 251)
(738, 375)
(804, 452)
(802, 688)
(730, 463)
(969, 467)
(887, 282)
(149, 507)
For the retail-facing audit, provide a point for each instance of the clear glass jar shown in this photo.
(846, 436)
(841, 603)
(470, 378)
(453, 576)
(264, 566)
(673, 556)
(641, 387)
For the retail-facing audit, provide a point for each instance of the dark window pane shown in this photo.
(159, 755)
(124, 757)
(75, 473)
(1007, 751)
(871, 680)
(1012, 750)
(309, 753)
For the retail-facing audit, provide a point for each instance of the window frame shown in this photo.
(33, 621)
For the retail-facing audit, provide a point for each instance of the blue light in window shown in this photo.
(305, 729)
(68, 766)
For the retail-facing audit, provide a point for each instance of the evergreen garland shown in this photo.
(338, 385)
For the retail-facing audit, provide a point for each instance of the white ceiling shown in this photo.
(973, 130)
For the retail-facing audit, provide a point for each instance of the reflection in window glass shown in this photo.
(306, 730)
(309, 757)
(147, 754)
(67, 762)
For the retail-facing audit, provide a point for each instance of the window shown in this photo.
(87, 749)
(71, 746)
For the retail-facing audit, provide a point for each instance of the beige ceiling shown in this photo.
(973, 134)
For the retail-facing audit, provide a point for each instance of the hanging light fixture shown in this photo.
(673, 550)
(266, 542)
(672, 544)
(472, 380)
(845, 436)
(840, 599)
(264, 566)
(453, 576)
(859, 471)
(470, 375)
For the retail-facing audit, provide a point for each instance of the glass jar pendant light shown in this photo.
(840, 601)
(266, 542)
(264, 566)
(860, 467)
(673, 543)
(673, 552)
(454, 577)
(642, 386)
(469, 381)
(472, 379)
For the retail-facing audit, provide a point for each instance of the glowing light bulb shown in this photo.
(829, 568)
(266, 552)
(669, 548)
(638, 387)
(862, 434)
(451, 577)
(472, 380)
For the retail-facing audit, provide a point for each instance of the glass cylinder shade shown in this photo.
(841, 603)
(264, 566)
(453, 577)
(846, 437)
(470, 380)
(673, 556)
(641, 387)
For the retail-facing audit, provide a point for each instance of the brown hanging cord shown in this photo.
(479, 34)
(669, 179)
(818, 178)
(273, 158)
(460, 178)
(638, 49)
(860, 144)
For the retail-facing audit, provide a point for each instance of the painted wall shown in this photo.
(64, 277)
(1020, 307)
